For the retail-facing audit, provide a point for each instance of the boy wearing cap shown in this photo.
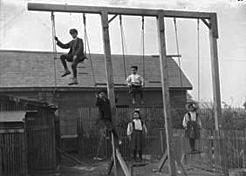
(75, 54)
(135, 130)
(135, 83)
(105, 119)
(192, 124)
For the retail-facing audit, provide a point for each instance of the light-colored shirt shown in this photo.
(135, 79)
(193, 117)
(138, 126)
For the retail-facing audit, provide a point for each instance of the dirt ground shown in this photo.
(100, 169)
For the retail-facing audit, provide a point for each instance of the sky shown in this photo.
(26, 30)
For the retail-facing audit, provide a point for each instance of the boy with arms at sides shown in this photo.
(135, 83)
(135, 131)
(192, 124)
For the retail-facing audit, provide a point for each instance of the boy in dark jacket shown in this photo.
(75, 54)
(105, 119)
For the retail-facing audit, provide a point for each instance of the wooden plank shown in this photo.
(165, 94)
(214, 25)
(108, 63)
(215, 72)
(109, 75)
(1, 154)
(122, 163)
(114, 155)
(116, 10)
(162, 162)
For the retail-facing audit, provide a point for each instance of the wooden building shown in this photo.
(27, 137)
(31, 74)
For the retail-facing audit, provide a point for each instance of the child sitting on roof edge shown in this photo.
(135, 83)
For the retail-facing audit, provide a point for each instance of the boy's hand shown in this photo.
(74, 57)
(129, 137)
(56, 38)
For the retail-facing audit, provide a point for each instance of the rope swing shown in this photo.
(122, 44)
(87, 46)
(143, 47)
(177, 49)
(198, 59)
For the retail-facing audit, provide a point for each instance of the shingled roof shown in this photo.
(25, 69)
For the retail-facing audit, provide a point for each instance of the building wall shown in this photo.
(69, 103)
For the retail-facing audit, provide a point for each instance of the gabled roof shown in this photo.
(35, 69)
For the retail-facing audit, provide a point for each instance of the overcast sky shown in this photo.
(24, 30)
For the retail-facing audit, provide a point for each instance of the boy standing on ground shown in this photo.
(192, 124)
(135, 130)
(75, 54)
(135, 83)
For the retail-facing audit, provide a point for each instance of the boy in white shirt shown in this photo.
(135, 83)
(192, 124)
(135, 130)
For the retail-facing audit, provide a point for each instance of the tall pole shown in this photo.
(165, 94)
(1, 23)
(109, 74)
(213, 36)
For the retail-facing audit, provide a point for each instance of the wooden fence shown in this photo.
(88, 132)
(13, 152)
(219, 153)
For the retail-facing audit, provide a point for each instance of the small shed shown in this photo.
(13, 152)
(38, 123)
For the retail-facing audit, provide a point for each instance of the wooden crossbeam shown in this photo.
(114, 10)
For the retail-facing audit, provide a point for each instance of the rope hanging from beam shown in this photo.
(87, 46)
(122, 44)
(143, 46)
(177, 49)
(198, 59)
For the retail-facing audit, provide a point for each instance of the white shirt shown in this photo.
(135, 79)
(193, 117)
(138, 126)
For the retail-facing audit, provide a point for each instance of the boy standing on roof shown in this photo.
(135, 83)
(75, 54)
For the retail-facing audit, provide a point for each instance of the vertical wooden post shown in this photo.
(1, 153)
(213, 36)
(165, 94)
(108, 62)
(109, 75)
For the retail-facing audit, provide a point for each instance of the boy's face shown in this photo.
(102, 95)
(74, 35)
(134, 70)
(136, 115)
(191, 108)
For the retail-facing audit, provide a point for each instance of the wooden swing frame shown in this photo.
(209, 19)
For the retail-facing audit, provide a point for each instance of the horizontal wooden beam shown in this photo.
(116, 11)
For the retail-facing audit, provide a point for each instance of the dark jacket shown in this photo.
(104, 108)
(76, 47)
